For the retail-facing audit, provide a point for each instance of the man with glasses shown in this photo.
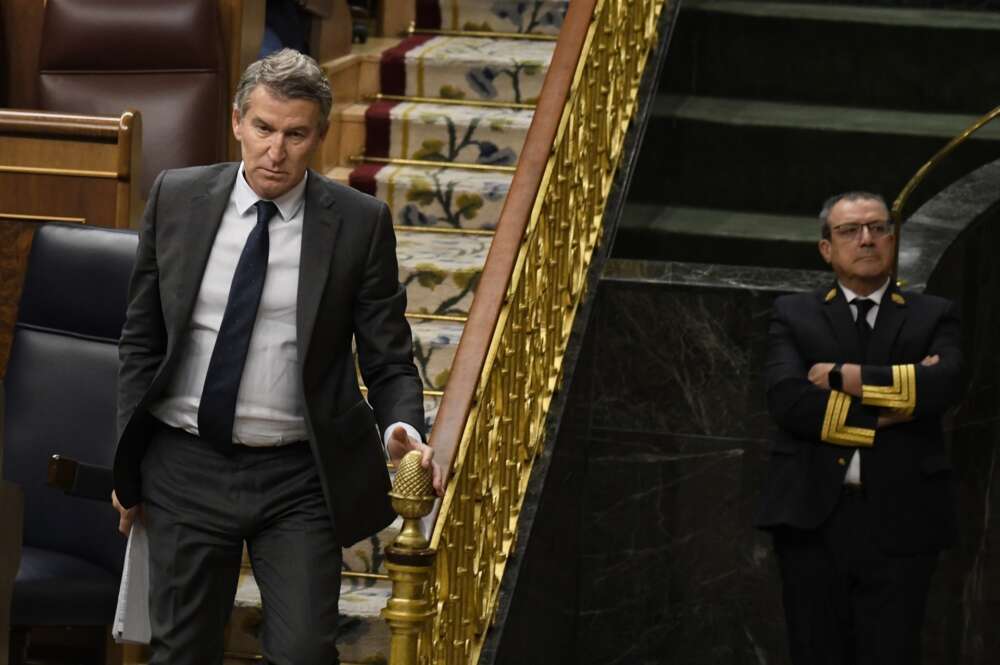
(859, 496)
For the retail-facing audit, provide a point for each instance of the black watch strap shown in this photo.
(835, 378)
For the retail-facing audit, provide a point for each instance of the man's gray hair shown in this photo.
(857, 195)
(286, 74)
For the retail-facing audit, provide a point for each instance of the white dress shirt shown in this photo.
(269, 406)
(853, 475)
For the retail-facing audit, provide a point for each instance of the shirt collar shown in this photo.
(288, 203)
(875, 296)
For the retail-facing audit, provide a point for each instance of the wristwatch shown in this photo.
(835, 378)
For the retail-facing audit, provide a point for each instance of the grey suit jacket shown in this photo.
(348, 288)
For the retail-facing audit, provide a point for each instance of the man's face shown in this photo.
(278, 138)
(858, 254)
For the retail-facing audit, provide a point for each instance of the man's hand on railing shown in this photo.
(125, 515)
(400, 443)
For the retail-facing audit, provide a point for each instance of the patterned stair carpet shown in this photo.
(494, 70)
(445, 208)
(445, 132)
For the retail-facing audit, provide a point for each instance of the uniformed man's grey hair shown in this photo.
(857, 195)
(286, 74)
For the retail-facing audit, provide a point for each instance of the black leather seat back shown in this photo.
(61, 382)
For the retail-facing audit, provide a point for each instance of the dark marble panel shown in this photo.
(682, 358)
(674, 572)
(642, 550)
(713, 275)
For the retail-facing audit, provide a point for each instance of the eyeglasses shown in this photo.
(851, 231)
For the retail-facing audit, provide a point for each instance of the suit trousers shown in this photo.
(200, 504)
(846, 601)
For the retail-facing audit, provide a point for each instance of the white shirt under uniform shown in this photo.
(270, 409)
(853, 476)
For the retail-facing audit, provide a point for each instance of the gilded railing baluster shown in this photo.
(475, 528)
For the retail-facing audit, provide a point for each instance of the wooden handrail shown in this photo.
(470, 357)
(44, 123)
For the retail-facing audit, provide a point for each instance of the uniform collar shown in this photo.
(875, 296)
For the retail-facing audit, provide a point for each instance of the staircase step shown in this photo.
(538, 16)
(881, 57)
(443, 132)
(706, 235)
(787, 158)
(364, 635)
(434, 346)
(433, 197)
(440, 270)
(472, 68)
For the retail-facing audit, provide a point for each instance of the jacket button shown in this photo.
(841, 461)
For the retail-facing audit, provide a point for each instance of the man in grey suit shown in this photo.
(239, 412)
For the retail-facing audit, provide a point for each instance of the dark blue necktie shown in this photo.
(861, 323)
(217, 410)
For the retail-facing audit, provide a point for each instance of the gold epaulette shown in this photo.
(902, 394)
(831, 294)
(898, 299)
(835, 427)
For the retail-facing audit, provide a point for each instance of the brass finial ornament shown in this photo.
(409, 560)
(412, 497)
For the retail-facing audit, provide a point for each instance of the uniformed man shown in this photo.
(859, 495)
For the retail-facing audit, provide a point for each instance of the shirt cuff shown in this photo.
(410, 430)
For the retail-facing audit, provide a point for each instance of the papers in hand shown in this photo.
(132, 615)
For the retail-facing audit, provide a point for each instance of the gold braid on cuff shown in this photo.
(900, 396)
(835, 428)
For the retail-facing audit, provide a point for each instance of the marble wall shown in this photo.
(642, 549)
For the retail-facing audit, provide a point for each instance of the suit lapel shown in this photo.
(205, 216)
(320, 223)
(891, 314)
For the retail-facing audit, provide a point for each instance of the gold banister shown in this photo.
(899, 205)
(490, 424)
(470, 357)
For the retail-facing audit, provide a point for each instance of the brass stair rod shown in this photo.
(904, 196)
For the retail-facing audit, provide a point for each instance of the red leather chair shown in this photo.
(162, 57)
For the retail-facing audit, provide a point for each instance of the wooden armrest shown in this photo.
(86, 481)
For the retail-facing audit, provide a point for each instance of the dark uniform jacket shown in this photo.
(905, 468)
(348, 289)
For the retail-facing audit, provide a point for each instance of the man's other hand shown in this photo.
(819, 375)
(930, 361)
(126, 516)
(401, 443)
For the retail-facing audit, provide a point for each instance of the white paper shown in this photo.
(131, 624)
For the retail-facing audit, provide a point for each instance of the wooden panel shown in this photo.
(395, 16)
(242, 34)
(22, 26)
(15, 241)
(29, 151)
(330, 37)
(50, 196)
